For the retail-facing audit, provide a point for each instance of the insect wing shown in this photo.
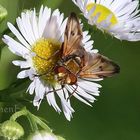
(73, 36)
(98, 66)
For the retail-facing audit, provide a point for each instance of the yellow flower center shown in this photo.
(105, 12)
(44, 61)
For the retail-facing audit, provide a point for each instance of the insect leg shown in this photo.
(73, 92)
(39, 75)
(54, 90)
(54, 54)
(57, 52)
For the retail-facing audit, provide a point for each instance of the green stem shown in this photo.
(41, 123)
(33, 120)
(25, 112)
(33, 124)
(16, 115)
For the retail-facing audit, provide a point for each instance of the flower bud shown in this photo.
(3, 13)
(11, 130)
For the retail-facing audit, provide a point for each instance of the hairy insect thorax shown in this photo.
(72, 65)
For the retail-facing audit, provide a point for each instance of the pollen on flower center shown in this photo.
(44, 61)
(105, 12)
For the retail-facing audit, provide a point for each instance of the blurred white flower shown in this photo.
(120, 18)
(42, 136)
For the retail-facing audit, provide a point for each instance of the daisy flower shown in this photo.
(43, 35)
(119, 18)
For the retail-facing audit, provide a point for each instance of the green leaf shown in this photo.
(15, 87)
(55, 4)
(14, 91)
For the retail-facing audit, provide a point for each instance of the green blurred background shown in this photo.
(116, 113)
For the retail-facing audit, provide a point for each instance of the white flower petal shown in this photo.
(77, 96)
(31, 87)
(37, 86)
(26, 23)
(67, 109)
(52, 101)
(42, 89)
(84, 94)
(62, 30)
(35, 25)
(18, 35)
(23, 74)
(44, 17)
(15, 46)
(22, 30)
(53, 26)
(22, 64)
(37, 101)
